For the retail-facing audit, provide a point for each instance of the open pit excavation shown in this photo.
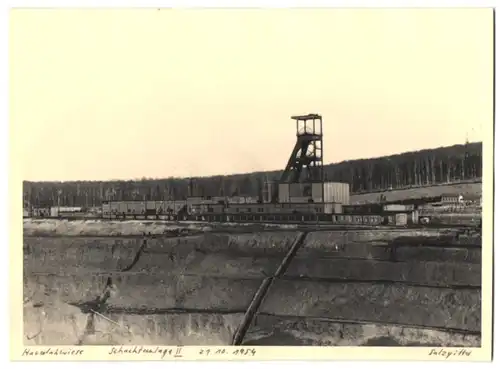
(281, 287)
(298, 264)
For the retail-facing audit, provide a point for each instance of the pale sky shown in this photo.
(122, 94)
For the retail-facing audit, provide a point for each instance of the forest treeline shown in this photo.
(410, 169)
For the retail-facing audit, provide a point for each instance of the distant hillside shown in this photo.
(472, 190)
(411, 169)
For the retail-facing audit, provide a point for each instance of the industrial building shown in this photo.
(301, 194)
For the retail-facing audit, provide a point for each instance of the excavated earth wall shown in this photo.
(337, 288)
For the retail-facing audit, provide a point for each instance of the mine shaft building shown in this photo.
(300, 190)
(303, 179)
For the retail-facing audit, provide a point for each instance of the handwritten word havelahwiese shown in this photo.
(52, 352)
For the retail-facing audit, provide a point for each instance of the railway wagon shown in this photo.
(265, 218)
(348, 219)
(135, 207)
(141, 209)
(106, 209)
(399, 220)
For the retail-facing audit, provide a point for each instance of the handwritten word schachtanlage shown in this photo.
(150, 350)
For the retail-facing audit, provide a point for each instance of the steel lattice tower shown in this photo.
(306, 161)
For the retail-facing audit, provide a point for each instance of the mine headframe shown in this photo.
(306, 160)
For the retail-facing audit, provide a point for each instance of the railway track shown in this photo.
(235, 230)
(305, 225)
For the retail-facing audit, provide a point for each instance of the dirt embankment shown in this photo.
(423, 273)
(130, 228)
(351, 241)
(229, 255)
(202, 284)
(167, 281)
(400, 304)
(57, 323)
(67, 255)
(142, 293)
(61, 227)
(411, 257)
(272, 330)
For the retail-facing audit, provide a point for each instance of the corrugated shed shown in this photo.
(336, 192)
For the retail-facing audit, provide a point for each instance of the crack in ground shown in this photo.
(92, 308)
(99, 305)
(264, 288)
(174, 310)
(136, 257)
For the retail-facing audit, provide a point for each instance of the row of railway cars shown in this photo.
(131, 208)
(400, 219)
(215, 210)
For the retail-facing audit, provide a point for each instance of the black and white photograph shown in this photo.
(241, 178)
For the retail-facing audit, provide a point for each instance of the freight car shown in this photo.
(349, 219)
(230, 210)
(143, 209)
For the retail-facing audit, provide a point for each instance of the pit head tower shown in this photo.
(306, 160)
